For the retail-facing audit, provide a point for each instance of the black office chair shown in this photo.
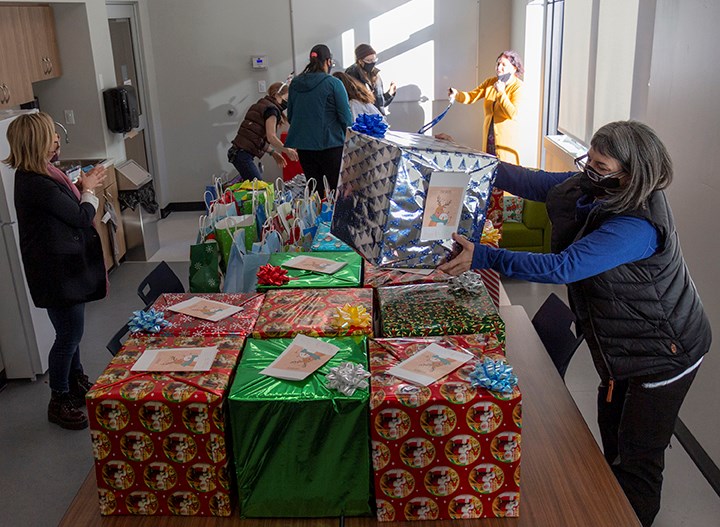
(116, 342)
(161, 280)
(553, 323)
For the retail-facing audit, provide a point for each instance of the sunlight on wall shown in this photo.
(416, 65)
(397, 25)
(348, 47)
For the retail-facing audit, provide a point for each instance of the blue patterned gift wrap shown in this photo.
(324, 240)
(381, 199)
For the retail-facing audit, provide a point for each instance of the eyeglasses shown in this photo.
(581, 163)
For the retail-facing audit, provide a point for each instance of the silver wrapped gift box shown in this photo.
(386, 201)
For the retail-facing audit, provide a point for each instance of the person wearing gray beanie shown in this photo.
(365, 71)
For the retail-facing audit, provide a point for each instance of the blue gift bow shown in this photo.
(372, 125)
(149, 321)
(494, 375)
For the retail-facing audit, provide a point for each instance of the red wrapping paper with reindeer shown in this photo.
(159, 438)
(446, 451)
(316, 313)
(240, 323)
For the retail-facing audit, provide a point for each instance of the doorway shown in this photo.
(124, 38)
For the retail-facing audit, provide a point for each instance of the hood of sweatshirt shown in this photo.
(309, 81)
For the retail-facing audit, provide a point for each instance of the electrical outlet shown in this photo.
(262, 86)
(69, 117)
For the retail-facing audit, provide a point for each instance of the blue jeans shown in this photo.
(64, 359)
(244, 162)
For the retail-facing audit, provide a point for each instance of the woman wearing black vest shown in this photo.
(258, 134)
(615, 245)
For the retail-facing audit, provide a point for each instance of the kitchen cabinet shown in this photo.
(15, 83)
(37, 24)
(109, 193)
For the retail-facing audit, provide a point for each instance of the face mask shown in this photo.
(55, 157)
(283, 104)
(598, 188)
(504, 77)
(369, 66)
(329, 68)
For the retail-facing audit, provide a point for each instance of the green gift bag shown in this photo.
(205, 274)
(225, 229)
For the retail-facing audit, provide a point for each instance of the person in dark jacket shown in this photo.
(365, 71)
(319, 115)
(615, 245)
(258, 134)
(61, 254)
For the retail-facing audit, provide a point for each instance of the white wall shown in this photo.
(683, 109)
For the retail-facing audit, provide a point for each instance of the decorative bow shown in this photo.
(149, 321)
(468, 282)
(370, 124)
(494, 375)
(272, 275)
(352, 316)
(347, 378)
(490, 235)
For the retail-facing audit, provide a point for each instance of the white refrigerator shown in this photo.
(26, 333)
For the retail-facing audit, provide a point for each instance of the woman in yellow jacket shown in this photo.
(502, 94)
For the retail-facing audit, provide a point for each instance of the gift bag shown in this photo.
(205, 276)
(225, 230)
(241, 275)
(250, 194)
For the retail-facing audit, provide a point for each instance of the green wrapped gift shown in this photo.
(421, 310)
(350, 275)
(300, 448)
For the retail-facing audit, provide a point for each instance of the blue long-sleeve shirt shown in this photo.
(620, 240)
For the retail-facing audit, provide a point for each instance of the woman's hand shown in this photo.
(462, 256)
(500, 86)
(444, 137)
(93, 179)
(452, 93)
(279, 159)
(291, 153)
(393, 88)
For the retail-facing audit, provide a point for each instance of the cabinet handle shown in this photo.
(6, 91)
(50, 65)
(47, 65)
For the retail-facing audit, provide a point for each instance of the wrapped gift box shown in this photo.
(446, 451)
(324, 240)
(383, 195)
(316, 312)
(300, 448)
(438, 309)
(383, 276)
(240, 323)
(159, 438)
(350, 275)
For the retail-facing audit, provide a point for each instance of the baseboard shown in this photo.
(183, 206)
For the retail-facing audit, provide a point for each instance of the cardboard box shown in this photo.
(446, 451)
(159, 438)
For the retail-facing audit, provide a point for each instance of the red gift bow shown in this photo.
(272, 275)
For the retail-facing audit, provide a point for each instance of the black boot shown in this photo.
(79, 386)
(62, 412)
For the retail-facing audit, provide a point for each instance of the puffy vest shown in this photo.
(251, 134)
(642, 318)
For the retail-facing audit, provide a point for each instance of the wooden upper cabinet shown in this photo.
(15, 87)
(38, 33)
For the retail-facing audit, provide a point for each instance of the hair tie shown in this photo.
(313, 54)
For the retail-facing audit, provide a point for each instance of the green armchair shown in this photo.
(532, 234)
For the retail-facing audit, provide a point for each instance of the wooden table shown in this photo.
(565, 479)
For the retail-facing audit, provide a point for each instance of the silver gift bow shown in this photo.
(347, 378)
(468, 282)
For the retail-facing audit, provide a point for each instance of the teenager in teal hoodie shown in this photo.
(319, 114)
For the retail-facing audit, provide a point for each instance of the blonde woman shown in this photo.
(61, 254)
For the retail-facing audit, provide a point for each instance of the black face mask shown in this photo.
(283, 104)
(598, 188)
(368, 67)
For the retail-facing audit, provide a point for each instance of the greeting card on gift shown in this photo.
(430, 364)
(176, 359)
(443, 205)
(302, 357)
(205, 308)
(315, 264)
